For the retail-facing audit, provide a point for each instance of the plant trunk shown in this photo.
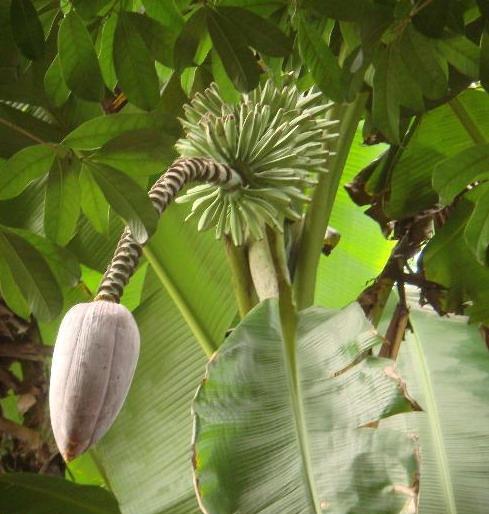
(26, 441)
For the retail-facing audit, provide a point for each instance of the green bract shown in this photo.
(274, 138)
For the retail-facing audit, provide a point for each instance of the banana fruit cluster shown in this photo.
(275, 138)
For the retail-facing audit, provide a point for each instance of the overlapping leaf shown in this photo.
(445, 364)
(282, 432)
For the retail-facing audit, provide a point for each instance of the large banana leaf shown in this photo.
(446, 366)
(346, 272)
(279, 431)
(146, 455)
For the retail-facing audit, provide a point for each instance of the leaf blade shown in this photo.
(134, 66)
(32, 275)
(62, 203)
(127, 199)
(320, 61)
(23, 167)
(238, 61)
(78, 60)
(27, 29)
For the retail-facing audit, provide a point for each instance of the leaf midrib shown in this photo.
(435, 426)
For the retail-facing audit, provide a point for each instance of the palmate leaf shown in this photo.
(446, 366)
(282, 432)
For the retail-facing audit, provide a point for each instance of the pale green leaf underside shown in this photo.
(446, 366)
(249, 417)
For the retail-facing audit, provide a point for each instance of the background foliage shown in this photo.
(90, 95)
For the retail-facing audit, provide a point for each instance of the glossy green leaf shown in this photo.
(31, 274)
(127, 199)
(79, 63)
(62, 204)
(167, 13)
(61, 262)
(440, 135)
(462, 54)
(226, 87)
(260, 33)
(188, 40)
(12, 139)
(270, 429)
(427, 68)
(477, 229)
(320, 61)
(452, 176)
(159, 40)
(448, 261)
(139, 152)
(26, 28)
(134, 65)
(105, 56)
(354, 10)
(55, 85)
(432, 17)
(484, 59)
(385, 106)
(23, 167)
(409, 91)
(238, 61)
(43, 494)
(88, 9)
(12, 296)
(158, 425)
(93, 203)
(445, 363)
(97, 132)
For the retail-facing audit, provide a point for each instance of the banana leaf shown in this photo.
(293, 432)
(446, 366)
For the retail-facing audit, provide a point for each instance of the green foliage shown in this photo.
(134, 65)
(280, 428)
(23, 167)
(450, 395)
(78, 60)
(74, 170)
(127, 199)
(26, 28)
(41, 494)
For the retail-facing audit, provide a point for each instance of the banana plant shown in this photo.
(256, 158)
(199, 376)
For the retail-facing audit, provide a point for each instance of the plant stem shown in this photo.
(241, 277)
(262, 269)
(466, 120)
(317, 217)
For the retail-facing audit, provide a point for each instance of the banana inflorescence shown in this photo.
(274, 138)
(256, 160)
(94, 359)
